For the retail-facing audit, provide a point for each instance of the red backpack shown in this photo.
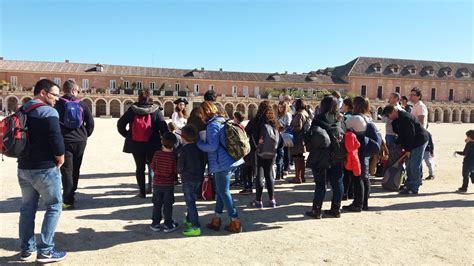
(14, 133)
(142, 128)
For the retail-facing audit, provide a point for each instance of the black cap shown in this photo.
(181, 100)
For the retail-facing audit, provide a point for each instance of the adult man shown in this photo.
(390, 136)
(38, 174)
(75, 132)
(419, 108)
(194, 120)
(413, 138)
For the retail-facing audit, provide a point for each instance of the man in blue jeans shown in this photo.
(39, 176)
(414, 138)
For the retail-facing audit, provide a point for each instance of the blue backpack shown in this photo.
(73, 115)
(374, 140)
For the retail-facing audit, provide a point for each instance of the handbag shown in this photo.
(207, 190)
(289, 138)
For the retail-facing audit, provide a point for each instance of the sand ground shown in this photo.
(110, 225)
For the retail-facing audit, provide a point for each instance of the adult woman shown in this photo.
(179, 116)
(255, 129)
(221, 164)
(283, 157)
(358, 123)
(299, 120)
(323, 158)
(142, 137)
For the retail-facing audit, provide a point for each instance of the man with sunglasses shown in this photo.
(39, 176)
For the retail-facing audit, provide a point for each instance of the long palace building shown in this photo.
(110, 89)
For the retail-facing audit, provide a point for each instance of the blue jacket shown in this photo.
(218, 158)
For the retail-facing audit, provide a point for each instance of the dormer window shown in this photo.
(378, 69)
(99, 68)
(431, 72)
(395, 70)
(428, 70)
(465, 73)
(412, 71)
(448, 73)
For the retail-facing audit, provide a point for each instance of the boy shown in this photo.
(191, 166)
(468, 162)
(164, 169)
(239, 181)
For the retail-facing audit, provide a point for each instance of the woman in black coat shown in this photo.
(147, 138)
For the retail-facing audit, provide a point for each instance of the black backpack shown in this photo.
(337, 150)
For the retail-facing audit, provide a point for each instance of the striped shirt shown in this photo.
(164, 168)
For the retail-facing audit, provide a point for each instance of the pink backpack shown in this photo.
(142, 128)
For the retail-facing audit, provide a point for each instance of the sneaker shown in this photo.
(51, 256)
(169, 229)
(257, 204)
(187, 224)
(192, 232)
(461, 190)
(430, 177)
(141, 195)
(27, 255)
(352, 208)
(407, 192)
(148, 190)
(155, 227)
(68, 206)
(272, 203)
(246, 191)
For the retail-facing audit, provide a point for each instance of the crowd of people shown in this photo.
(339, 140)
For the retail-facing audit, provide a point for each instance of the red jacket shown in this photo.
(352, 160)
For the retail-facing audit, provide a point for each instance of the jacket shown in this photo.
(318, 157)
(411, 134)
(218, 158)
(297, 123)
(84, 131)
(158, 123)
(191, 163)
(468, 154)
(352, 147)
(45, 138)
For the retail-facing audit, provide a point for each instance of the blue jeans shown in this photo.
(335, 175)
(47, 184)
(223, 196)
(413, 181)
(190, 190)
(279, 162)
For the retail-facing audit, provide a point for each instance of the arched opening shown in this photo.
(12, 104)
(438, 115)
(115, 108)
(88, 102)
(465, 116)
(447, 116)
(456, 115)
(100, 107)
(219, 106)
(157, 103)
(252, 111)
(241, 108)
(472, 116)
(25, 100)
(229, 109)
(430, 115)
(169, 109)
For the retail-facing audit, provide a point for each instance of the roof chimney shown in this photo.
(220, 69)
(294, 73)
(99, 67)
(1, 58)
(202, 69)
(66, 61)
(286, 72)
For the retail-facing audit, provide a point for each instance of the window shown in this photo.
(196, 88)
(378, 69)
(113, 85)
(176, 87)
(256, 91)
(139, 85)
(412, 71)
(397, 89)
(57, 81)
(211, 87)
(431, 72)
(465, 73)
(433, 94)
(126, 85)
(363, 90)
(468, 94)
(395, 70)
(379, 92)
(13, 81)
(85, 84)
(451, 95)
(245, 90)
(448, 73)
(152, 85)
(234, 90)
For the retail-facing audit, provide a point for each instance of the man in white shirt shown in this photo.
(419, 108)
(390, 136)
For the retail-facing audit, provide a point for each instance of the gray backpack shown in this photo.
(271, 137)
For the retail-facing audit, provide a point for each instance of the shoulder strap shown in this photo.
(32, 107)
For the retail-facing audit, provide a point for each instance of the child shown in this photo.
(191, 165)
(428, 157)
(164, 169)
(179, 143)
(468, 162)
(238, 174)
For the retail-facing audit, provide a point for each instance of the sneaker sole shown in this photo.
(48, 260)
(31, 257)
(155, 229)
(170, 230)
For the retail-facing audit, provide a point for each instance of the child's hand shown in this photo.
(455, 154)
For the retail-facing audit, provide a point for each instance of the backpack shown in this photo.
(73, 114)
(14, 133)
(374, 143)
(316, 138)
(337, 149)
(271, 137)
(237, 141)
(142, 128)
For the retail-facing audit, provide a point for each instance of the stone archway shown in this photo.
(438, 115)
(100, 107)
(241, 108)
(465, 116)
(252, 111)
(157, 103)
(88, 102)
(169, 109)
(472, 116)
(126, 105)
(115, 108)
(229, 109)
(430, 115)
(447, 116)
(456, 115)
(12, 104)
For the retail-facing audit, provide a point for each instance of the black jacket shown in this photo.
(430, 147)
(82, 133)
(411, 134)
(191, 163)
(468, 154)
(159, 126)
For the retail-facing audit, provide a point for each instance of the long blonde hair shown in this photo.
(207, 110)
(286, 108)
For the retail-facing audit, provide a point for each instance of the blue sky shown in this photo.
(263, 36)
